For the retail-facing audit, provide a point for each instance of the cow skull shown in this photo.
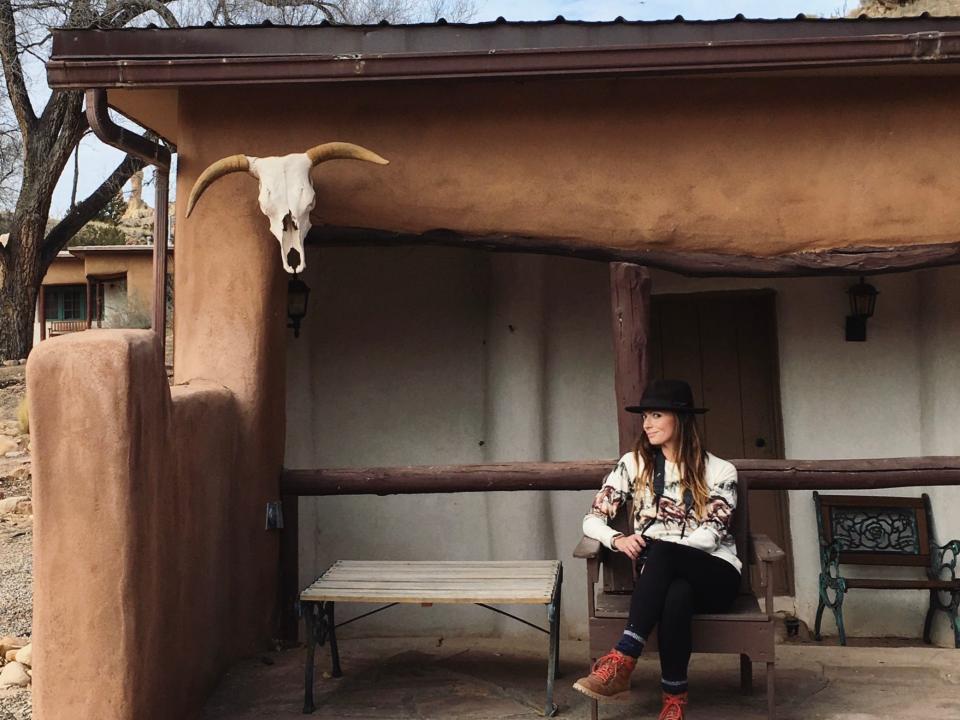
(286, 193)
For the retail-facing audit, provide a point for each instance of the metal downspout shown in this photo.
(154, 154)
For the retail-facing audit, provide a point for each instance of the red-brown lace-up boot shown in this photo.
(673, 706)
(610, 676)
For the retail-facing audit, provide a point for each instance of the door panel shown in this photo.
(725, 345)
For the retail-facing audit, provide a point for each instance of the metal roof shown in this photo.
(267, 53)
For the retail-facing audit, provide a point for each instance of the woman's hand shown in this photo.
(630, 545)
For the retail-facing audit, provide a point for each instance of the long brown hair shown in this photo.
(692, 461)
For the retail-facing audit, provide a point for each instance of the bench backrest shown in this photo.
(67, 326)
(874, 530)
(618, 570)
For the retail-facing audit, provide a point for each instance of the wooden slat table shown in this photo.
(484, 583)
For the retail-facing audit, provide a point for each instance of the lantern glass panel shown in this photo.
(863, 300)
(297, 295)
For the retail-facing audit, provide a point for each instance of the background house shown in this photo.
(108, 286)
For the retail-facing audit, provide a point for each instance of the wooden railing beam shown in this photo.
(588, 474)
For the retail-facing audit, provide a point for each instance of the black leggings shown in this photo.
(676, 582)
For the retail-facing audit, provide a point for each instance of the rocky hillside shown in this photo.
(906, 8)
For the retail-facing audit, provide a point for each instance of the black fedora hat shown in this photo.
(672, 395)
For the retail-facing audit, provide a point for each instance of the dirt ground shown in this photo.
(483, 679)
(16, 542)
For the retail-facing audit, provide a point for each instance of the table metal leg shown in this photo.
(559, 597)
(309, 615)
(332, 634)
(553, 616)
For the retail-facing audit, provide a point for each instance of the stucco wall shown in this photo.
(135, 531)
(755, 165)
(384, 373)
(940, 350)
(419, 356)
(182, 479)
(65, 271)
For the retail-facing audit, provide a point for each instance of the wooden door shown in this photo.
(725, 345)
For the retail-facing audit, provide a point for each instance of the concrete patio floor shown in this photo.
(484, 679)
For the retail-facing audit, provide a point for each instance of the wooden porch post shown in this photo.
(42, 312)
(89, 306)
(97, 288)
(630, 303)
(630, 295)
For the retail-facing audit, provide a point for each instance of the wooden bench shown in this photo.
(747, 630)
(62, 327)
(887, 532)
(484, 583)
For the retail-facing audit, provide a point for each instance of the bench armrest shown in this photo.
(944, 558)
(587, 548)
(765, 550)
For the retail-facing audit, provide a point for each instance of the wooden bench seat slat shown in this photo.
(427, 596)
(445, 572)
(746, 608)
(426, 582)
(381, 581)
(447, 563)
(884, 584)
(478, 576)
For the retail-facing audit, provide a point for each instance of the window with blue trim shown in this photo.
(65, 302)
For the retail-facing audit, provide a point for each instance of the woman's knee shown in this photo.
(679, 600)
(658, 554)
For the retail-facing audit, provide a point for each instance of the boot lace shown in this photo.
(672, 707)
(607, 667)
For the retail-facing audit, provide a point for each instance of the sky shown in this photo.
(98, 160)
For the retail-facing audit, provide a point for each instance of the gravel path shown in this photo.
(16, 544)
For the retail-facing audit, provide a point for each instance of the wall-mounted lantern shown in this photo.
(298, 292)
(863, 301)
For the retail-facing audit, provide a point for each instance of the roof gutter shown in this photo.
(152, 153)
(171, 69)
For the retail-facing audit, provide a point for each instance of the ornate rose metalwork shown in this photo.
(876, 530)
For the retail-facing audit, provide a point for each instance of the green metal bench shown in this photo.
(888, 532)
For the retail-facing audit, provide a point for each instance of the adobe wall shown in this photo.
(65, 271)
(435, 356)
(150, 503)
(135, 532)
(230, 323)
(756, 165)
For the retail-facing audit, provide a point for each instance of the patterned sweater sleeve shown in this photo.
(719, 512)
(614, 492)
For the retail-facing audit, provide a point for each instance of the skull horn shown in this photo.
(224, 166)
(342, 151)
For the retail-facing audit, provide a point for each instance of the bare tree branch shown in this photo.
(13, 72)
(123, 13)
(84, 211)
(331, 11)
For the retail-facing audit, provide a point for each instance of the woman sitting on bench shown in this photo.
(686, 558)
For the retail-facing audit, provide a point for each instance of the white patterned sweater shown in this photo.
(669, 519)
